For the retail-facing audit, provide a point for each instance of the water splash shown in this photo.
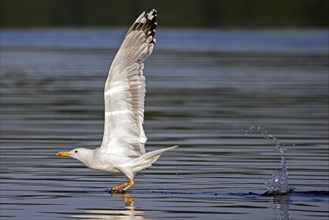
(278, 183)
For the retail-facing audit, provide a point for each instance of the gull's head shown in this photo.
(77, 153)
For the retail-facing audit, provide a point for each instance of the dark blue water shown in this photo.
(205, 91)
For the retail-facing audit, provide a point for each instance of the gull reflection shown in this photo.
(128, 212)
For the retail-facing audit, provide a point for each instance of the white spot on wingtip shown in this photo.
(150, 16)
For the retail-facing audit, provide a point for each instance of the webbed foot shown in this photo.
(123, 187)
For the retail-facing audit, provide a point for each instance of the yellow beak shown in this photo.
(63, 153)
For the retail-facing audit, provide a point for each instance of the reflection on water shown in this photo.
(129, 212)
(280, 205)
(205, 90)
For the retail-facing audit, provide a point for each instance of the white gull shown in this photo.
(122, 149)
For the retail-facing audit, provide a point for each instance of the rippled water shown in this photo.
(205, 91)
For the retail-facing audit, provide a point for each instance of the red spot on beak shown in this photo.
(63, 153)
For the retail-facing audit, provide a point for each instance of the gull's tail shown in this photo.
(146, 160)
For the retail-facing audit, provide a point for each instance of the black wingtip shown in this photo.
(146, 23)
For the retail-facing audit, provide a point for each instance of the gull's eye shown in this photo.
(76, 151)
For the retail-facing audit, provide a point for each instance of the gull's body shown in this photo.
(122, 148)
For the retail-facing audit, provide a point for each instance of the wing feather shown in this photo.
(124, 92)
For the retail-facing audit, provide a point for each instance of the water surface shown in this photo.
(218, 94)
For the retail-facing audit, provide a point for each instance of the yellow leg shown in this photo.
(129, 184)
(123, 186)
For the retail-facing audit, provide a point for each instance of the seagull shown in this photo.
(123, 145)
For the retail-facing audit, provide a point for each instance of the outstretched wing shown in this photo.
(125, 90)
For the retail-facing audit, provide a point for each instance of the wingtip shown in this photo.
(152, 14)
(139, 19)
(144, 17)
(147, 23)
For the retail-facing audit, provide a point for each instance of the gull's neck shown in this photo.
(86, 156)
